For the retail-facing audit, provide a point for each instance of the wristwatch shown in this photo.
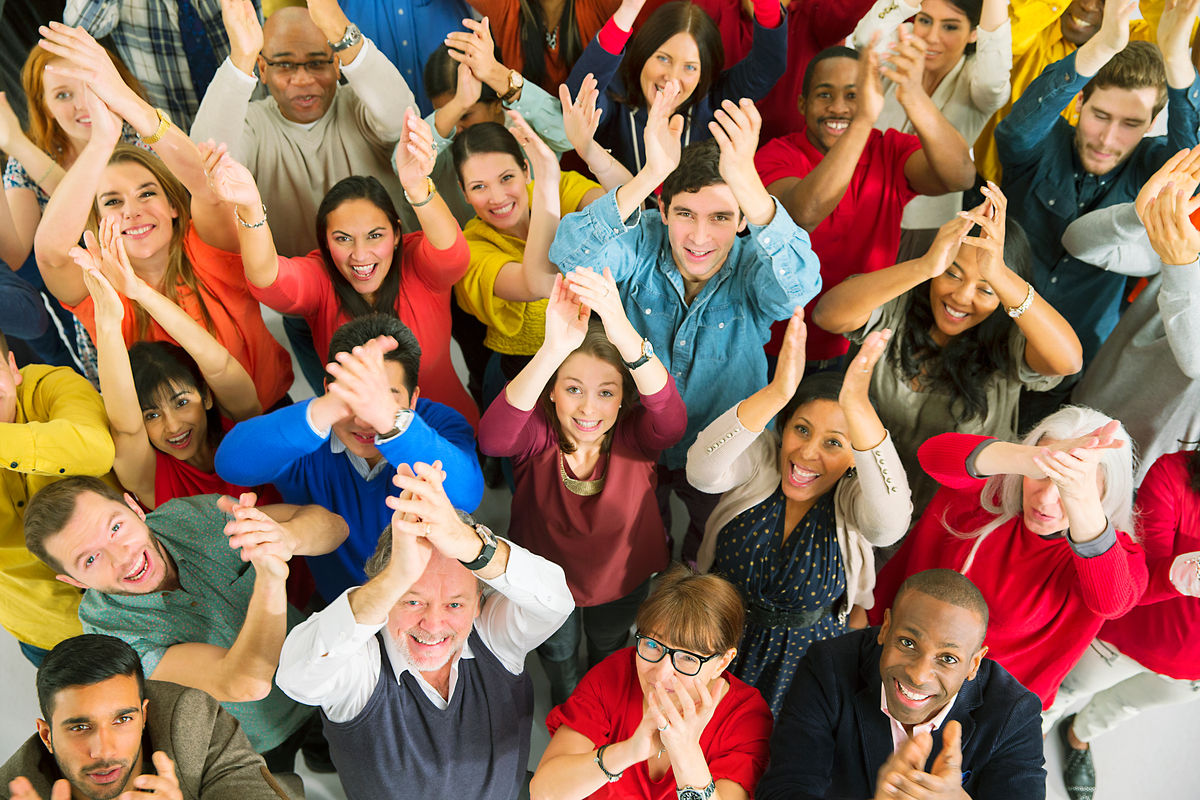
(403, 419)
(647, 352)
(486, 536)
(351, 37)
(688, 793)
(515, 83)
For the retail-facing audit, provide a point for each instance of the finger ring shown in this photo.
(664, 727)
(427, 529)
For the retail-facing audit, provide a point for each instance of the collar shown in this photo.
(899, 735)
(398, 656)
(364, 470)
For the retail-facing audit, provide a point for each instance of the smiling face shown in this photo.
(947, 32)
(63, 98)
(496, 186)
(303, 95)
(663, 672)
(831, 101)
(357, 435)
(678, 59)
(815, 450)
(95, 735)
(107, 546)
(960, 297)
(433, 619)
(1081, 20)
(587, 396)
(1111, 124)
(930, 648)
(702, 227)
(131, 193)
(362, 244)
(177, 422)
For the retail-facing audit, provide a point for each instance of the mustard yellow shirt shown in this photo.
(513, 328)
(60, 429)
(1037, 42)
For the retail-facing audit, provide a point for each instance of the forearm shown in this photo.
(864, 426)
(1052, 347)
(538, 272)
(573, 776)
(252, 659)
(945, 149)
(13, 248)
(752, 197)
(380, 87)
(38, 165)
(371, 602)
(1005, 458)
(993, 14)
(1112, 239)
(116, 380)
(525, 390)
(1179, 308)
(315, 530)
(63, 221)
(1085, 518)
(633, 194)
(260, 259)
(262, 449)
(847, 306)
(609, 172)
(690, 767)
(818, 193)
(758, 410)
(1092, 55)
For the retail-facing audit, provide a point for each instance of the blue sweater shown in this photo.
(281, 448)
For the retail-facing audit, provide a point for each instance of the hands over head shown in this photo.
(949, 239)
(410, 547)
(868, 87)
(476, 48)
(87, 61)
(990, 217)
(106, 270)
(468, 89)
(736, 127)
(789, 370)
(566, 318)
(423, 509)
(1114, 25)
(1175, 27)
(229, 180)
(541, 158)
(907, 60)
(598, 291)
(663, 129)
(581, 117)
(856, 385)
(361, 384)
(264, 542)
(244, 31)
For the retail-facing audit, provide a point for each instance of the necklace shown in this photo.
(576, 486)
(552, 39)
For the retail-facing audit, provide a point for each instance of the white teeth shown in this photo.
(1081, 23)
(953, 313)
(916, 698)
(180, 438)
(138, 231)
(587, 425)
(363, 270)
(505, 209)
(801, 475)
(431, 642)
(141, 570)
(837, 125)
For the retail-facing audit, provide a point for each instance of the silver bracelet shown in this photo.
(260, 223)
(1016, 313)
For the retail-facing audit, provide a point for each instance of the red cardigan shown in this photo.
(1160, 632)
(1046, 602)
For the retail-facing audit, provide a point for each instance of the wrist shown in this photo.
(496, 78)
(244, 62)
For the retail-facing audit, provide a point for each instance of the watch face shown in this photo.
(690, 794)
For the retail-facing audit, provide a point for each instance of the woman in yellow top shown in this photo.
(516, 219)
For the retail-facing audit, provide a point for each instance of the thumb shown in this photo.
(950, 758)
(61, 790)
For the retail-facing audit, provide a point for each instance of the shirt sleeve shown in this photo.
(476, 290)
(584, 235)
(759, 71)
(437, 269)
(1028, 377)
(508, 432)
(945, 456)
(69, 435)
(1019, 136)
(1179, 308)
(544, 114)
(332, 661)
(222, 113)
(991, 67)
(439, 433)
(779, 159)
(1160, 501)
(262, 449)
(661, 421)
(300, 286)
(531, 602)
(784, 272)
(97, 17)
(21, 307)
(1112, 582)
(383, 94)
(1113, 239)
(603, 65)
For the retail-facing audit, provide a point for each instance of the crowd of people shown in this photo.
(899, 302)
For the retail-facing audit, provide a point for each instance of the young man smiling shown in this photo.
(703, 297)
(911, 709)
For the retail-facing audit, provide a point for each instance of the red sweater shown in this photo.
(1160, 632)
(1046, 602)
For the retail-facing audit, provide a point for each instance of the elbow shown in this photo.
(245, 689)
(541, 787)
(964, 178)
(824, 316)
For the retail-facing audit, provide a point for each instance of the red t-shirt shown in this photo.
(423, 304)
(862, 234)
(607, 707)
(1160, 632)
(1045, 602)
(237, 321)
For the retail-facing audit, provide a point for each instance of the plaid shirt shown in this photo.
(146, 35)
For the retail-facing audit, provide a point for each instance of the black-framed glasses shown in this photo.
(684, 661)
(314, 66)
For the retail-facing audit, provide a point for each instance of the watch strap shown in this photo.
(647, 352)
(487, 552)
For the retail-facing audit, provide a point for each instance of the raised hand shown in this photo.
(476, 48)
(410, 548)
(683, 712)
(256, 535)
(546, 171)
(856, 385)
(468, 89)
(663, 131)
(581, 117)
(229, 180)
(244, 31)
(1185, 574)
(438, 521)
(736, 127)
(990, 219)
(789, 370)
(868, 88)
(164, 785)
(1073, 472)
(106, 302)
(1181, 169)
(566, 318)
(1103, 438)
(949, 239)
(1168, 223)
(415, 154)
(21, 789)
(908, 64)
(598, 291)
(1175, 27)
(106, 126)
(87, 61)
(361, 383)
(1114, 25)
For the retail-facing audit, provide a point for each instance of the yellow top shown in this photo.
(60, 430)
(514, 328)
(1037, 43)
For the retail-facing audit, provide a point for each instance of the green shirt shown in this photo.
(209, 607)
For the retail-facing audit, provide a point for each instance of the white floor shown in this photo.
(1153, 756)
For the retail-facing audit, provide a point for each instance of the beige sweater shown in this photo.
(872, 508)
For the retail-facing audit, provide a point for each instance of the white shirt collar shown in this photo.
(401, 664)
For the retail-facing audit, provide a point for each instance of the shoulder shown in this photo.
(1002, 696)
(843, 656)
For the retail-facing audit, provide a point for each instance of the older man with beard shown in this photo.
(421, 677)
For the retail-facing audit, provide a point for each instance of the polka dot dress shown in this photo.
(804, 572)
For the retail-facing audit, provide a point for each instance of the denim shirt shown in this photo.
(713, 347)
(1048, 188)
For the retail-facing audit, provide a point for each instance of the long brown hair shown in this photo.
(179, 269)
(597, 345)
(44, 131)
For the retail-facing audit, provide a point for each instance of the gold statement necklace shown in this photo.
(576, 486)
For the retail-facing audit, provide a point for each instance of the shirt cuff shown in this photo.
(339, 634)
(773, 236)
(236, 74)
(349, 68)
(312, 426)
(524, 582)
(1096, 547)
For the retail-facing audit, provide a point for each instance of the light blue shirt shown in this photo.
(713, 347)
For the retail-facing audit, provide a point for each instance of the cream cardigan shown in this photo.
(872, 508)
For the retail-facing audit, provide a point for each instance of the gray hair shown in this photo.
(383, 554)
(1002, 494)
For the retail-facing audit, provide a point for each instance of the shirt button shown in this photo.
(1054, 280)
(400, 11)
(682, 342)
(721, 325)
(13, 465)
(647, 312)
(1051, 202)
(404, 42)
(61, 470)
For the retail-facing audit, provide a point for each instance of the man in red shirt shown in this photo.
(847, 183)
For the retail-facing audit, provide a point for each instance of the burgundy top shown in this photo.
(607, 543)
(862, 233)
(1160, 633)
(1045, 601)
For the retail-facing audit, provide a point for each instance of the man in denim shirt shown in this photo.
(1054, 173)
(703, 297)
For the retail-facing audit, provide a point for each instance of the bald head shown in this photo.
(290, 21)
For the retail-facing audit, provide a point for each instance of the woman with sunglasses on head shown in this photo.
(663, 719)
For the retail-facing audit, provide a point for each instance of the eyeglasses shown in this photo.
(316, 66)
(684, 661)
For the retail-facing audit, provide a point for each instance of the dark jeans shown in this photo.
(308, 737)
(699, 506)
(606, 628)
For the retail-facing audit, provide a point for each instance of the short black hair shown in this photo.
(825, 385)
(948, 586)
(699, 166)
(837, 51)
(84, 661)
(359, 331)
(440, 75)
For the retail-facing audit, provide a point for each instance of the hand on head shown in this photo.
(598, 291)
(990, 217)
(949, 239)
(360, 383)
(476, 48)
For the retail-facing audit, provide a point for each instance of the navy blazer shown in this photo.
(831, 737)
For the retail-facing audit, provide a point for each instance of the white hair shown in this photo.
(1002, 494)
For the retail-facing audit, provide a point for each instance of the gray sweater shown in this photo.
(1147, 373)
